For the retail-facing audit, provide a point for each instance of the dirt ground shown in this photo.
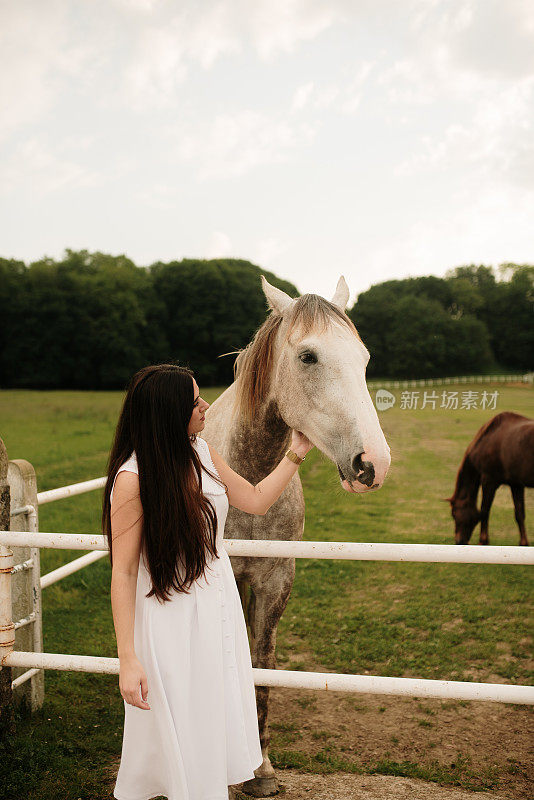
(481, 744)
(296, 786)
(480, 740)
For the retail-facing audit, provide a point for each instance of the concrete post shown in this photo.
(26, 587)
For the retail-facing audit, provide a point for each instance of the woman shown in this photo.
(190, 727)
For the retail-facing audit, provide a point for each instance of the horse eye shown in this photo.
(308, 358)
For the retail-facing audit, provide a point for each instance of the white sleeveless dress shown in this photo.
(201, 732)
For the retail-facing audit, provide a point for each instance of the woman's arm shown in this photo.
(126, 528)
(258, 499)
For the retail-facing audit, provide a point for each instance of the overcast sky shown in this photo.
(372, 138)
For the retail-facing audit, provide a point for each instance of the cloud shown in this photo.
(281, 25)
(406, 83)
(160, 196)
(219, 246)
(353, 90)
(343, 97)
(466, 88)
(145, 6)
(487, 37)
(233, 144)
(38, 56)
(139, 53)
(302, 95)
(184, 93)
(136, 53)
(267, 251)
(497, 141)
(490, 227)
(35, 167)
(168, 44)
(162, 54)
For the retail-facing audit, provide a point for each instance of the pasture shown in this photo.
(447, 621)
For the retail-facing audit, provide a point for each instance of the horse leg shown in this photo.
(488, 493)
(518, 494)
(270, 601)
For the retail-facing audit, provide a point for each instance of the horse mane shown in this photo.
(253, 365)
(466, 468)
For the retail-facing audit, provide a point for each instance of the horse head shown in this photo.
(466, 516)
(318, 383)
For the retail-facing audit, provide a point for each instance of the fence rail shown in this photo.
(412, 687)
(295, 679)
(406, 384)
(353, 551)
(70, 491)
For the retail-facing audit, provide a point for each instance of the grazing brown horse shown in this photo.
(502, 452)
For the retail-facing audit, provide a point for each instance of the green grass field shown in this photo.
(460, 622)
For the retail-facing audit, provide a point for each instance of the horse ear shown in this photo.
(447, 499)
(341, 295)
(277, 299)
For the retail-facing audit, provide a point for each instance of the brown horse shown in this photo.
(502, 452)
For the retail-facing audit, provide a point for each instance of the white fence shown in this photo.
(413, 687)
(26, 490)
(407, 384)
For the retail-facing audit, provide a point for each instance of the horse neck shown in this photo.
(259, 444)
(467, 481)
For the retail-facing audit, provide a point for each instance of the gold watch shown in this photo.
(294, 457)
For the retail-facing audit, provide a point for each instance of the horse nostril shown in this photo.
(365, 471)
(357, 464)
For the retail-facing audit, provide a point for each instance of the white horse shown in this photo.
(304, 369)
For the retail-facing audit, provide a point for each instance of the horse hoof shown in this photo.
(261, 787)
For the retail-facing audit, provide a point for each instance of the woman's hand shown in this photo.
(300, 444)
(131, 677)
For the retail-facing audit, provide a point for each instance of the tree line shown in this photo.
(469, 322)
(90, 320)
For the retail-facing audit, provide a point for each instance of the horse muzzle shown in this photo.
(364, 474)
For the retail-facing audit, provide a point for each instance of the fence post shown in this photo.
(7, 630)
(26, 583)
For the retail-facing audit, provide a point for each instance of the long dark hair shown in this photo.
(179, 523)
